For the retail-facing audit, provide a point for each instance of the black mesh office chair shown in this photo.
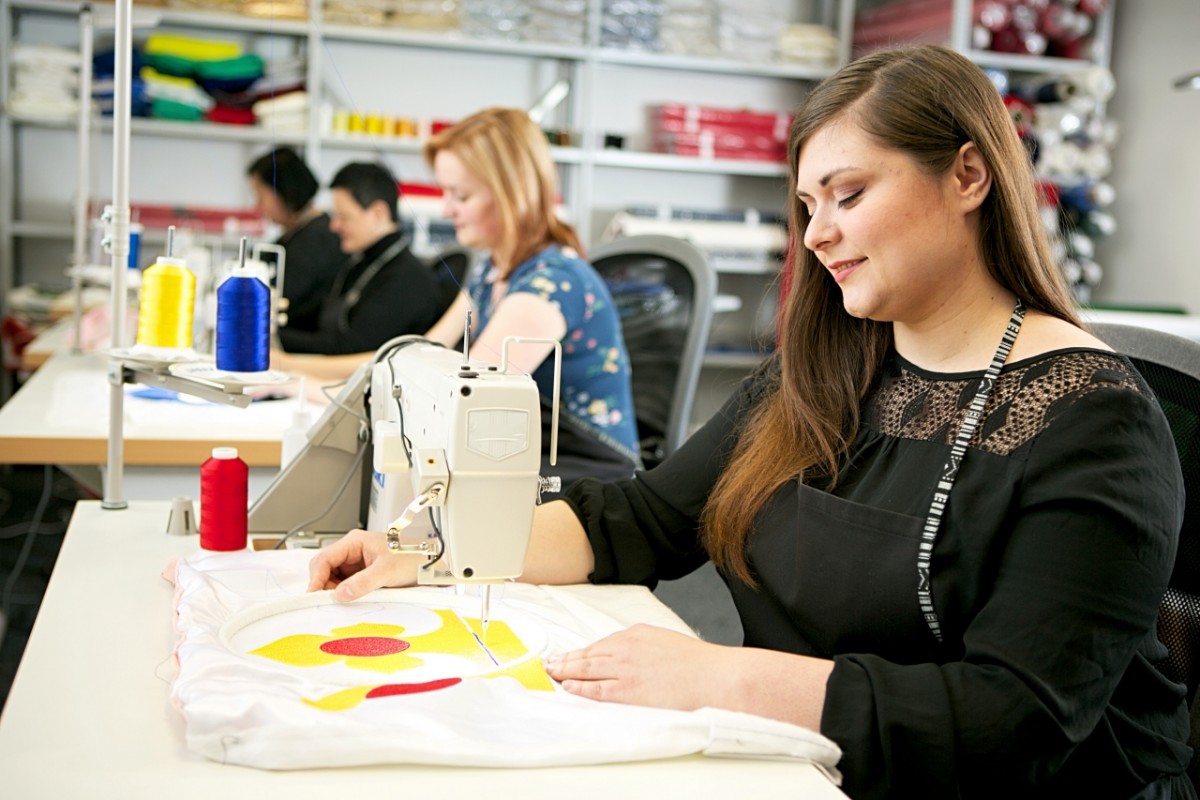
(1171, 365)
(452, 265)
(663, 288)
(450, 269)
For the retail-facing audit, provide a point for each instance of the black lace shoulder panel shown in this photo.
(1025, 400)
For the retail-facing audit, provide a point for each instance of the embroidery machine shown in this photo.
(457, 438)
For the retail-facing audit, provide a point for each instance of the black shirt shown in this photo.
(1054, 551)
(314, 255)
(378, 294)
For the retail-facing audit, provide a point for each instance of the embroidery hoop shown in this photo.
(239, 627)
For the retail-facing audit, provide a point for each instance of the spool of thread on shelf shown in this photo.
(243, 323)
(224, 489)
(167, 304)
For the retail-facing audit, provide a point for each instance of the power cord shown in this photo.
(26, 548)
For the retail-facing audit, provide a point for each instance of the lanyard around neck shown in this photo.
(950, 471)
(350, 298)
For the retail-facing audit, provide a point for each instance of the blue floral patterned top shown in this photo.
(595, 365)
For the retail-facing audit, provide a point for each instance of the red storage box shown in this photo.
(711, 132)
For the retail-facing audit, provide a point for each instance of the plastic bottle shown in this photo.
(224, 490)
(296, 435)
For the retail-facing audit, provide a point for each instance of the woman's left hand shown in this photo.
(647, 666)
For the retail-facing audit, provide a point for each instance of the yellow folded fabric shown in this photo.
(194, 49)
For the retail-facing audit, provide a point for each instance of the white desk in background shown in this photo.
(58, 338)
(60, 416)
(88, 715)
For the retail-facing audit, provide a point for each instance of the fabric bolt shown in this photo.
(1053, 553)
(595, 388)
(375, 297)
(339, 690)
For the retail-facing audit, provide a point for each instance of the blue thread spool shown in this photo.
(243, 333)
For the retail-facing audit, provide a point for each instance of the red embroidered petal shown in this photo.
(364, 646)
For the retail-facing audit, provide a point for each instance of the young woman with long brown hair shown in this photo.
(945, 512)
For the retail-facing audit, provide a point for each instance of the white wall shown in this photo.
(1153, 258)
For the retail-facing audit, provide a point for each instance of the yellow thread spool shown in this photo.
(168, 303)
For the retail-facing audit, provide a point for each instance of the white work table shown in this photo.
(88, 715)
(60, 416)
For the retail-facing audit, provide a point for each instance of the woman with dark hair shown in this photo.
(945, 512)
(284, 188)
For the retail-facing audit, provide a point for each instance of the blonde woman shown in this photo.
(499, 184)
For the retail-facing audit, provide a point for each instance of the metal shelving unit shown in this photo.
(578, 64)
(585, 67)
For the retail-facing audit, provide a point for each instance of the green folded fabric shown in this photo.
(175, 66)
(161, 108)
(242, 67)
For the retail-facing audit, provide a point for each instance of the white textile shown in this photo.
(243, 708)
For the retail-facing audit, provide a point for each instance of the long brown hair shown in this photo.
(504, 149)
(926, 101)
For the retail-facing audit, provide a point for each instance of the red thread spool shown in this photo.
(224, 481)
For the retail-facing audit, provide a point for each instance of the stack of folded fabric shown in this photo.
(173, 97)
(280, 77)
(813, 45)
(357, 12)
(494, 19)
(429, 15)
(556, 21)
(749, 29)
(103, 83)
(192, 79)
(274, 9)
(689, 27)
(285, 112)
(45, 81)
(631, 25)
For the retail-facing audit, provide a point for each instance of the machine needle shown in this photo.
(486, 597)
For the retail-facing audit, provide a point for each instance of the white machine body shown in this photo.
(471, 429)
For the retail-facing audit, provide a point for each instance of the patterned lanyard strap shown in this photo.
(950, 470)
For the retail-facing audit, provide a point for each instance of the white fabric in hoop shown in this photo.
(256, 688)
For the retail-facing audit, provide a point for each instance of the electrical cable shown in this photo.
(362, 448)
(6, 501)
(26, 548)
(47, 529)
(437, 530)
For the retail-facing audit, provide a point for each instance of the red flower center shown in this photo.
(365, 646)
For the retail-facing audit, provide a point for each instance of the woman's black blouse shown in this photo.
(1052, 557)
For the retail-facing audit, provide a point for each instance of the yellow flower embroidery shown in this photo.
(377, 647)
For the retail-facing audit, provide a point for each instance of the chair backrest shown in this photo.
(1170, 364)
(663, 288)
(450, 269)
(452, 264)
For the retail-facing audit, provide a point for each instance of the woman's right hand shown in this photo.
(358, 563)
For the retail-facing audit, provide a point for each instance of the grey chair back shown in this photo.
(663, 288)
(1170, 364)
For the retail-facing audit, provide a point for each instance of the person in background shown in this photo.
(382, 290)
(499, 186)
(500, 190)
(284, 188)
(946, 513)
